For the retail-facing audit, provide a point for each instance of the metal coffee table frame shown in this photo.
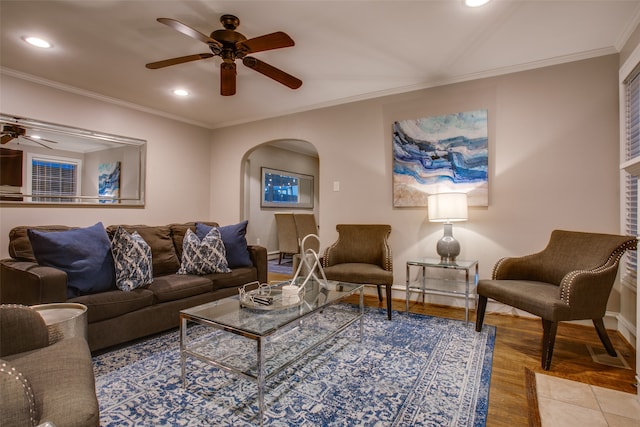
(222, 315)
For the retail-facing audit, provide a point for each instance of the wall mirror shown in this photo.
(282, 189)
(47, 163)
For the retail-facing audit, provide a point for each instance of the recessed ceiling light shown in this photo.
(180, 92)
(38, 42)
(476, 3)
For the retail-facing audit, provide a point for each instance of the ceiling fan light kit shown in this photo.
(11, 132)
(230, 45)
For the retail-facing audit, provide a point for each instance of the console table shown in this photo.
(429, 284)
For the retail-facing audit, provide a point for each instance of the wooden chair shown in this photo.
(361, 255)
(569, 280)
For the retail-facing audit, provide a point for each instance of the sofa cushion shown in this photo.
(163, 254)
(132, 258)
(179, 230)
(203, 256)
(357, 272)
(18, 403)
(61, 376)
(107, 305)
(19, 244)
(177, 286)
(237, 277)
(83, 253)
(235, 242)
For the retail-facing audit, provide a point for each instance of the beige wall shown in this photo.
(553, 160)
(178, 179)
(553, 136)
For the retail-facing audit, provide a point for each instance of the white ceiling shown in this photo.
(345, 50)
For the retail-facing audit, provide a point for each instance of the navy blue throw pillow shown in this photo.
(83, 253)
(235, 242)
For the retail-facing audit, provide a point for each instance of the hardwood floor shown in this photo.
(517, 347)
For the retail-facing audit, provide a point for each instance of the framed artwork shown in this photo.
(283, 189)
(441, 154)
(109, 182)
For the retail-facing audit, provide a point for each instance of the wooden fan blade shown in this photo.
(179, 60)
(272, 72)
(275, 40)
(188, 31)
(31, 138)
(227, 79)
(6, 138)
(37, 141)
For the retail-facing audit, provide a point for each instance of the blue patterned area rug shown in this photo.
(412, 371)
(285, 268)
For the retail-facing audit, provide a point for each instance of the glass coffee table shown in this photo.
(275, 335)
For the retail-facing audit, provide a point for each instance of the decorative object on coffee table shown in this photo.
(289, 293)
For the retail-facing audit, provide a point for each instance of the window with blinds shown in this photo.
(632, 151)
(53, 180)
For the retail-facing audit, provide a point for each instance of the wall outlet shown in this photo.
(336, 185)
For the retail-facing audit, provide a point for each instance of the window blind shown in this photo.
(632, 124)
(53, 181)
(632, 97)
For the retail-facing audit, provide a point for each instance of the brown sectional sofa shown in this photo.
(115, 316)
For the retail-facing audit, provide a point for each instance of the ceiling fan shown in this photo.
(11, 132)
(230, 45)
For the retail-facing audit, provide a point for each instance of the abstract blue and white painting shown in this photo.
(109, 182)
(441, 154)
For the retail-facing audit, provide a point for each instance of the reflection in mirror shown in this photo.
(45, 163)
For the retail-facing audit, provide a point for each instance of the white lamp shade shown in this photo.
(447, 207)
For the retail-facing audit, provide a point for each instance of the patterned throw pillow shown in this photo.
(203, 256)
(132, 258)
(235, 242)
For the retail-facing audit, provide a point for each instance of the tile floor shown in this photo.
(565, 403)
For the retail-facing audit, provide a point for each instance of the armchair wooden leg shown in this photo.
(548, 340)
(480, 309)
(388, 301)
(379, 292)
(604, 337)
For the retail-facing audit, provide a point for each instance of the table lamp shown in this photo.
(447, 208)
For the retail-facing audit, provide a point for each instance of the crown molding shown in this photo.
(82, 92)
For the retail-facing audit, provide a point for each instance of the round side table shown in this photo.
(64, 320)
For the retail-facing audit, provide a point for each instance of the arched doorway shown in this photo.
(288, 155)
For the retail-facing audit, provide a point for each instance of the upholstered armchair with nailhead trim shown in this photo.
(42, 384)
(361, 254)
(570, 279)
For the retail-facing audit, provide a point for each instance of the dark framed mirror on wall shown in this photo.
(284, 189)
(47, 163)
